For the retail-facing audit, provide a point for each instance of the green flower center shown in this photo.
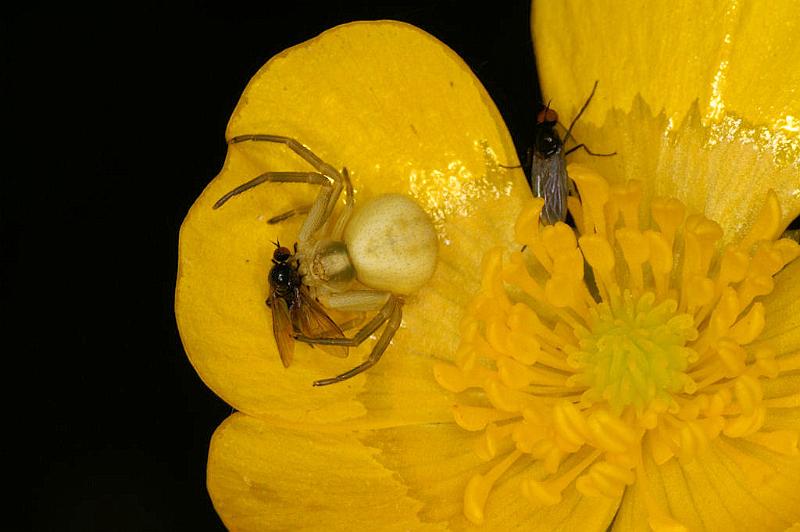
(634, 353)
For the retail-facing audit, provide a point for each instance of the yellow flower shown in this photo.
(666, 392)
(647, 363)
(404, 114)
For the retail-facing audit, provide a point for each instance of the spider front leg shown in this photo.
(331, 180)
(303, 209)
(391, 313)
(341, 221)
(312, 178)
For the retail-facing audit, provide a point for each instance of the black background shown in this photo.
(115, 120)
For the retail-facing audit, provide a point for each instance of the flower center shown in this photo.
(633, 353)
(632, 335)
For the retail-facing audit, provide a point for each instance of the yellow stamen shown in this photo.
(605, 479)
(638, 336)
(549, 492)
(479, 486)
(669, 214)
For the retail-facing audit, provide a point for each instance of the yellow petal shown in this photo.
(261, 477)
(265, 478)
(741, 54)
(783, 393)
(697, 99)
(404, 114)
(782, 330)
(714, 493)
(437, 462)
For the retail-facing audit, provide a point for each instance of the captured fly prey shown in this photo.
(294, 310)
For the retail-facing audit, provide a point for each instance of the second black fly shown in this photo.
(547, 162)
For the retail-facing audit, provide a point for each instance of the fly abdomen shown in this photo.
(549, 181)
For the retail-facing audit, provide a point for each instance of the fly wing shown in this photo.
(312, 320)
(282, 328)
(549, 181)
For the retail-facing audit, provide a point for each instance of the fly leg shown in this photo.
(587, 150)
(572, 124)
(577, 116)
(526, 165)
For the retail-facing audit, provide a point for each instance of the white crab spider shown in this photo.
(388, 244)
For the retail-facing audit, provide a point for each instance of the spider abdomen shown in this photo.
(392, 244)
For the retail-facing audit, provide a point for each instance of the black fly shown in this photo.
(294, 311)
(547, 160)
